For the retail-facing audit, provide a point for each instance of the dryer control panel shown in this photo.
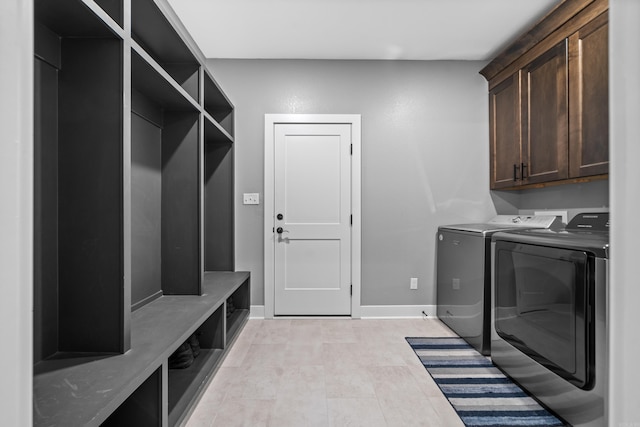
(528, 221)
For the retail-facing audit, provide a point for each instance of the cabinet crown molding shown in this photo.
(551, 23)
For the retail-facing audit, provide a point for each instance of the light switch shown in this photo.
(251, 199)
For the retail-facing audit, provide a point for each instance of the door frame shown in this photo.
(270, 120)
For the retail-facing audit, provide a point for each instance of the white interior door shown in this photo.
(312, 211)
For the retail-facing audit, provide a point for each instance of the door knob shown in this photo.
(279, 230)
(280, 216)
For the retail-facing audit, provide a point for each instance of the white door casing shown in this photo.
(312, 178)
(312, 197)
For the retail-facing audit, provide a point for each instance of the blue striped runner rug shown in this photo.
(479, 392)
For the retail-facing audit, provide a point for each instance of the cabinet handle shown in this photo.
(523, 166)
(515, 172)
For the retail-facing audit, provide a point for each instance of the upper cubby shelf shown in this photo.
(214, 133)
(150, 81)
(71, 18)
(155, 34)
(217, 104)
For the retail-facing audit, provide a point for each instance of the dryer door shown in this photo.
(543, 306)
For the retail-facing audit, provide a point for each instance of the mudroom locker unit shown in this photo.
(133, 215)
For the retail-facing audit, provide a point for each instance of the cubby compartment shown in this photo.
(218, 178)
(78, 184)
(157, 36)
(237, 310)
(186, 383)
(165, 189)
(217, 105)
(218, 207)
(143, 408)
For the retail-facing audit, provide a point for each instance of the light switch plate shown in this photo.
(251, 199)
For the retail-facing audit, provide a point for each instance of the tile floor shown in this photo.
(325, 372)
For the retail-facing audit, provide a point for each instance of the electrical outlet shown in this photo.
(414, 283)
(251, 199)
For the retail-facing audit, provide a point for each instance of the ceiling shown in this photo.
(358, 29)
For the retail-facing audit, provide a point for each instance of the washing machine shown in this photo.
(464, 274)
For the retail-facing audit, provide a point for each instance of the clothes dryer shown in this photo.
(550, 331)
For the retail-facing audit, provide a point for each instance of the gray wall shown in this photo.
(573, 198)
(424, 157)
(425, 160)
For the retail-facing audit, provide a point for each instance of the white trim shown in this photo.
(256, 312)
(269, 204)
(270, 120)
(397, 311)
(367, 312)
(16, 213)
(356, 210)
(624, 180)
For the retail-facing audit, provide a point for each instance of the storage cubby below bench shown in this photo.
(138, 388)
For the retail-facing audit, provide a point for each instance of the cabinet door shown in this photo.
(504, 124)
(544, 117)
(589, 99)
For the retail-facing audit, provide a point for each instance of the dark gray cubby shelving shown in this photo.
(133, 218)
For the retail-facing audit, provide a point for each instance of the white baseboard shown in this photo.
(373, 311)
(396, 311)
(256, 312)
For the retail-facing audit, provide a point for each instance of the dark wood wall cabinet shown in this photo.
(133, 219)
(549, 102)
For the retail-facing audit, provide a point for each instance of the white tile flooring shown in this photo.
(326, 372)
